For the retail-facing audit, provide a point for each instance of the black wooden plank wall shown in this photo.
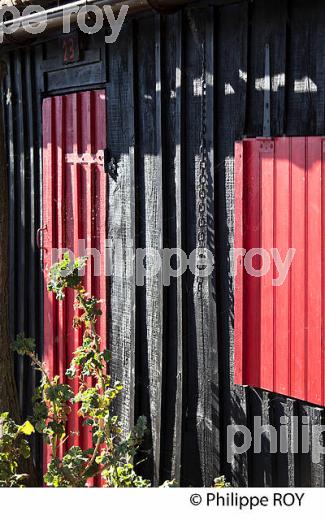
(173, 349)
(22, 126)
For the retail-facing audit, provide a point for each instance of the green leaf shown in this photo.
(118, 386)
(23, 346)
(25, 449)
(107, 355)
(27, 428)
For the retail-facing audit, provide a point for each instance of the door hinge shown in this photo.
(85, 158)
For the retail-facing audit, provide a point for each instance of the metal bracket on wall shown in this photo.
(85, 158)
(102, 157)
(267, 94)
(266, 145)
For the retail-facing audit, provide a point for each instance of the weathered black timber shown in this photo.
(172, 348)
(121, 221)
(173, 168)
(231, 49)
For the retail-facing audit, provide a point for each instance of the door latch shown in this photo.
(38, 238)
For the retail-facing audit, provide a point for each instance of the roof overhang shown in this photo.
(54, 15)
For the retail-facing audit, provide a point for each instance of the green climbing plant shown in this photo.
(14, 447)
(112, 455)
(221, 482)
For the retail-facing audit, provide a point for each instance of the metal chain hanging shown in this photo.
(203, 178)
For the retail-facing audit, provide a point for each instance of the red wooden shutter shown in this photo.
(279, 204)
(74, 209)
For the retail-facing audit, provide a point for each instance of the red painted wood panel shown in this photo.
(74, 213)
(266, 237)
(239, 263)
(297, 271)
(279, 320)
(281, 240)
(313, 269)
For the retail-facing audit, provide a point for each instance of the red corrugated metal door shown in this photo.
(279, 263)
(74, 215)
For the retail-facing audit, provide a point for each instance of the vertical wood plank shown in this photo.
(173, 169)
(20, 216)
(231, 32)
(87, 212)
(121, 221)
(33, 181)
(323, 270)
(11, 146)
(251, 241)
(305, 72)
(86, 144)
(154, 287)
(313, 270)
(201, 400)
(194, 394)
(100, 209)
(59, 122)
(311, 462)
(73, 230)
(149, 328)
(260, 467)
(267, 236)
(297, 271)
(281, 293)
(285, 420)
(212, 380)
(239, 375)
(49, 187)
(268, 26)
(177, 443)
